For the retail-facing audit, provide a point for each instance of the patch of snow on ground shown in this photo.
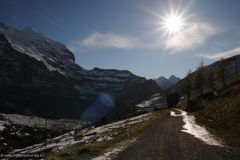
(156, 100)
(88, 135)
(108, 131)
(113, 152)
(191, 127)
(2, 125)
(54, 143)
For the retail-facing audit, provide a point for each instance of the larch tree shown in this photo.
(199, 78)
(222, 71)
(187, 87)
(210, 79)
(236, 66)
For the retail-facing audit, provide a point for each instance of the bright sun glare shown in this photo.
(173, 23)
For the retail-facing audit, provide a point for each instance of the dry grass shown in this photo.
(222, 114)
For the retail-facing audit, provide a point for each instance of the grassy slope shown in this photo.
(88, 151)
(222, 114)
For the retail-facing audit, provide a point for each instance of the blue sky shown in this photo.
(126, 34)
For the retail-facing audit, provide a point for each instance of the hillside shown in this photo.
(231, 66)
(222, 113)
(219, 106)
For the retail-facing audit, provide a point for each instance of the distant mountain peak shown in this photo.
(172, 76)
(174, 79)
(165, 83)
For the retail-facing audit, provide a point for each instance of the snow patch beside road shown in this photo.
(191, 127)
(113, 152)
(2, 127)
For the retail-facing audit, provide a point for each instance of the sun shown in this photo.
(173, 23)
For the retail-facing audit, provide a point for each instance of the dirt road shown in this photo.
(165, 140)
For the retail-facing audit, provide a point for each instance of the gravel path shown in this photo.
(165, 140)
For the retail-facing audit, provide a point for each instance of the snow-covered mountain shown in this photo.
(53, 54)
(165, 83)
(39, 76)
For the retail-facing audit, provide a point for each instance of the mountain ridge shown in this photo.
(82, 88)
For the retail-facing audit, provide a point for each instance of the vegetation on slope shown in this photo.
(219, 110)
(213, 95)
(222, 113)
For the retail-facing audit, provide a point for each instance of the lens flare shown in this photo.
(98, 109)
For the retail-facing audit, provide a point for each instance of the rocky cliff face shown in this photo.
(39, 76)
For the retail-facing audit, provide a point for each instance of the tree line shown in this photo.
(206, 76)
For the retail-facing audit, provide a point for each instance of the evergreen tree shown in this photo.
(173, 99)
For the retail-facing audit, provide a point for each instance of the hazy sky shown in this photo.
(126, 34)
